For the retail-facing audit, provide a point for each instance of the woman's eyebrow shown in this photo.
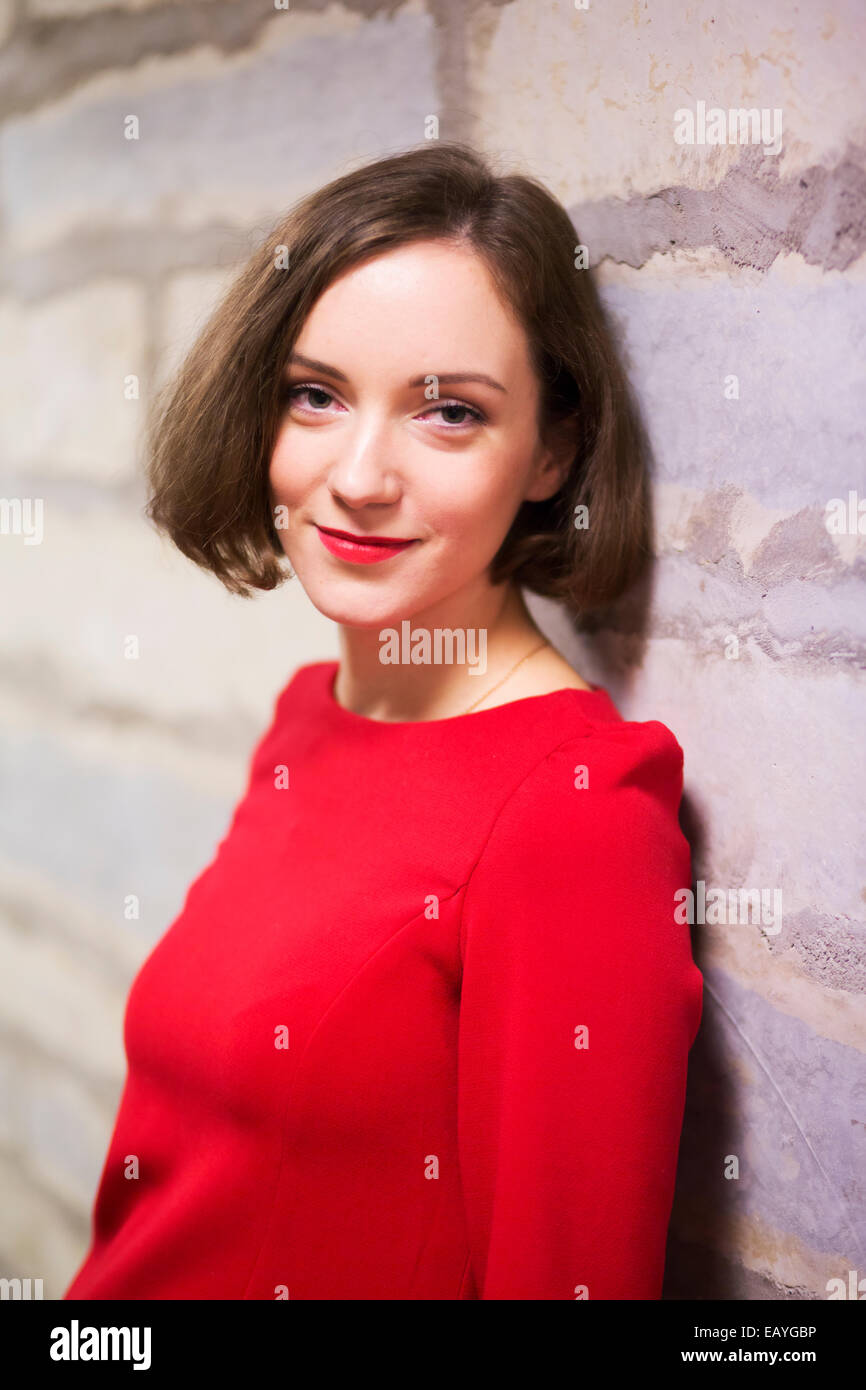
(459, 376)
(313, 365)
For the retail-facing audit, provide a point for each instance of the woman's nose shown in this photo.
(364, 470)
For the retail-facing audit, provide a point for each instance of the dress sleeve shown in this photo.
(579, 1003)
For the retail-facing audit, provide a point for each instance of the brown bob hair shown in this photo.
(215, 422)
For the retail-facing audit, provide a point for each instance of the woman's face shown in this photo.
(365, 446)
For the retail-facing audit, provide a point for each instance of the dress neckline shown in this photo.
(596, 699)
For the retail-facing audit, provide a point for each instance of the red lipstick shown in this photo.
(361, 550)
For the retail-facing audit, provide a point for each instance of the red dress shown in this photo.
(421, 1028)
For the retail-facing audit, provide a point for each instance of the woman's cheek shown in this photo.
(291, 464)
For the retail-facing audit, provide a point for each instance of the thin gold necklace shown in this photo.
(471, 707)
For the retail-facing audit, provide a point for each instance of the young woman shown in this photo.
(421, 1028)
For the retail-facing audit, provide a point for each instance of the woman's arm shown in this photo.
(579, 1004)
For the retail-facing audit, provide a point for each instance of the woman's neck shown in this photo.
(429, 668)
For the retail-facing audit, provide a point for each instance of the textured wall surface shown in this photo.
(734, 273)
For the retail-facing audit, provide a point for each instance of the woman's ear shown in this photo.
(556, 455)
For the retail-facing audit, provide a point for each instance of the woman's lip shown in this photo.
(366, 540)
(364, 552)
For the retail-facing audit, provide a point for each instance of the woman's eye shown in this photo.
(455, 415)
(315, 396)
(448, 409)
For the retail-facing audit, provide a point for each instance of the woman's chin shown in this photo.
(360, 610)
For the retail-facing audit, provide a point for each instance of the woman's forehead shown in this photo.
(432, 302)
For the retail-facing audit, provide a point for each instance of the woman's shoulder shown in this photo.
(601, 778)
(304, 682)
(594, 827)
(611, 759)
(620, 748)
